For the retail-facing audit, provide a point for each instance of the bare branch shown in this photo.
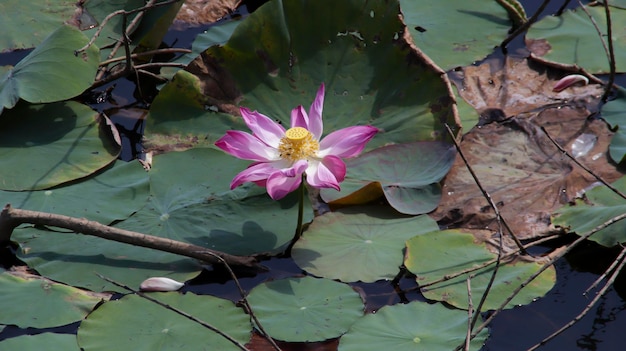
(11, 218)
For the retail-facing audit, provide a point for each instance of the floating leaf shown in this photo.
(372, 241)
(600, 205)
(139, 324)
(407, 173)
(439, 254)
(25, 24)
(52, 72)
(50, 304)
(44, 341)
(410, 327)
(305, 309)
(192, 202)
(614, 113)
(572, 39)
(470, 31)
(370, 79)
(113, 194)
(51, 144)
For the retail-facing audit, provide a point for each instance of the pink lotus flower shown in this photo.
(281, 157)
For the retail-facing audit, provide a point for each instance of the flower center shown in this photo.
(298, 144)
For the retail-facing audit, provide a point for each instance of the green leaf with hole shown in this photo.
(373, 241)
(139, 324)
(439, 254)
(469, 33)
(49, 304)
(42, 146)
(305, 309)
(52, 72)
(407, 173)
(351, 46)
(600, 206)
(572, 39)
(410, 327)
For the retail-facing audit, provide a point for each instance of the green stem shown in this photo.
(299, 227)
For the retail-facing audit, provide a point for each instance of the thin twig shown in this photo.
(595, 300)
(470, 313)
(600, 179)
(615, 262)
(524, 26)
(486, 195)
(550, 262)
(247, 304)
(180, 312)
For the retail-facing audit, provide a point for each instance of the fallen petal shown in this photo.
(568, 81)
(160, 284)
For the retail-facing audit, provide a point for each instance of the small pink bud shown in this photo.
(568, 81)
(160, 284)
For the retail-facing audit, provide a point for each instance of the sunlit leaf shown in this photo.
(436, 255)
(50, 304)
(410, 327)
(351, 46)
(407, 173)
(373, 242)
(601, 204)
(470, 31)
(42, 146)
(52, 72)
(45, 341)
(139, 324)
(572, 39)
(305, 309)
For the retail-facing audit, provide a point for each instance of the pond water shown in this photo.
(516, 329)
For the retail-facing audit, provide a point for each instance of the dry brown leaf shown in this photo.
(205, 11)
(525, 174)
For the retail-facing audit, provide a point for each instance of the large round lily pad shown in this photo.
(305, 309)
(411, 327)
(45, 341)
(373, 244)
(141, 325)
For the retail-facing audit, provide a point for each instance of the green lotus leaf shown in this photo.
(111, 195)
(435, 255)
(469, 33)
(373, 244)
(70, 141)
(25, 24)
(138, 324)
(572, 39)
(52, 72)
(305, 309)
(45, 341)
(73, 259)
(601, 205)
(369, 78)
(50, 304)
(410, 327)
(192, 202)
(408, 174)
(614, 113)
